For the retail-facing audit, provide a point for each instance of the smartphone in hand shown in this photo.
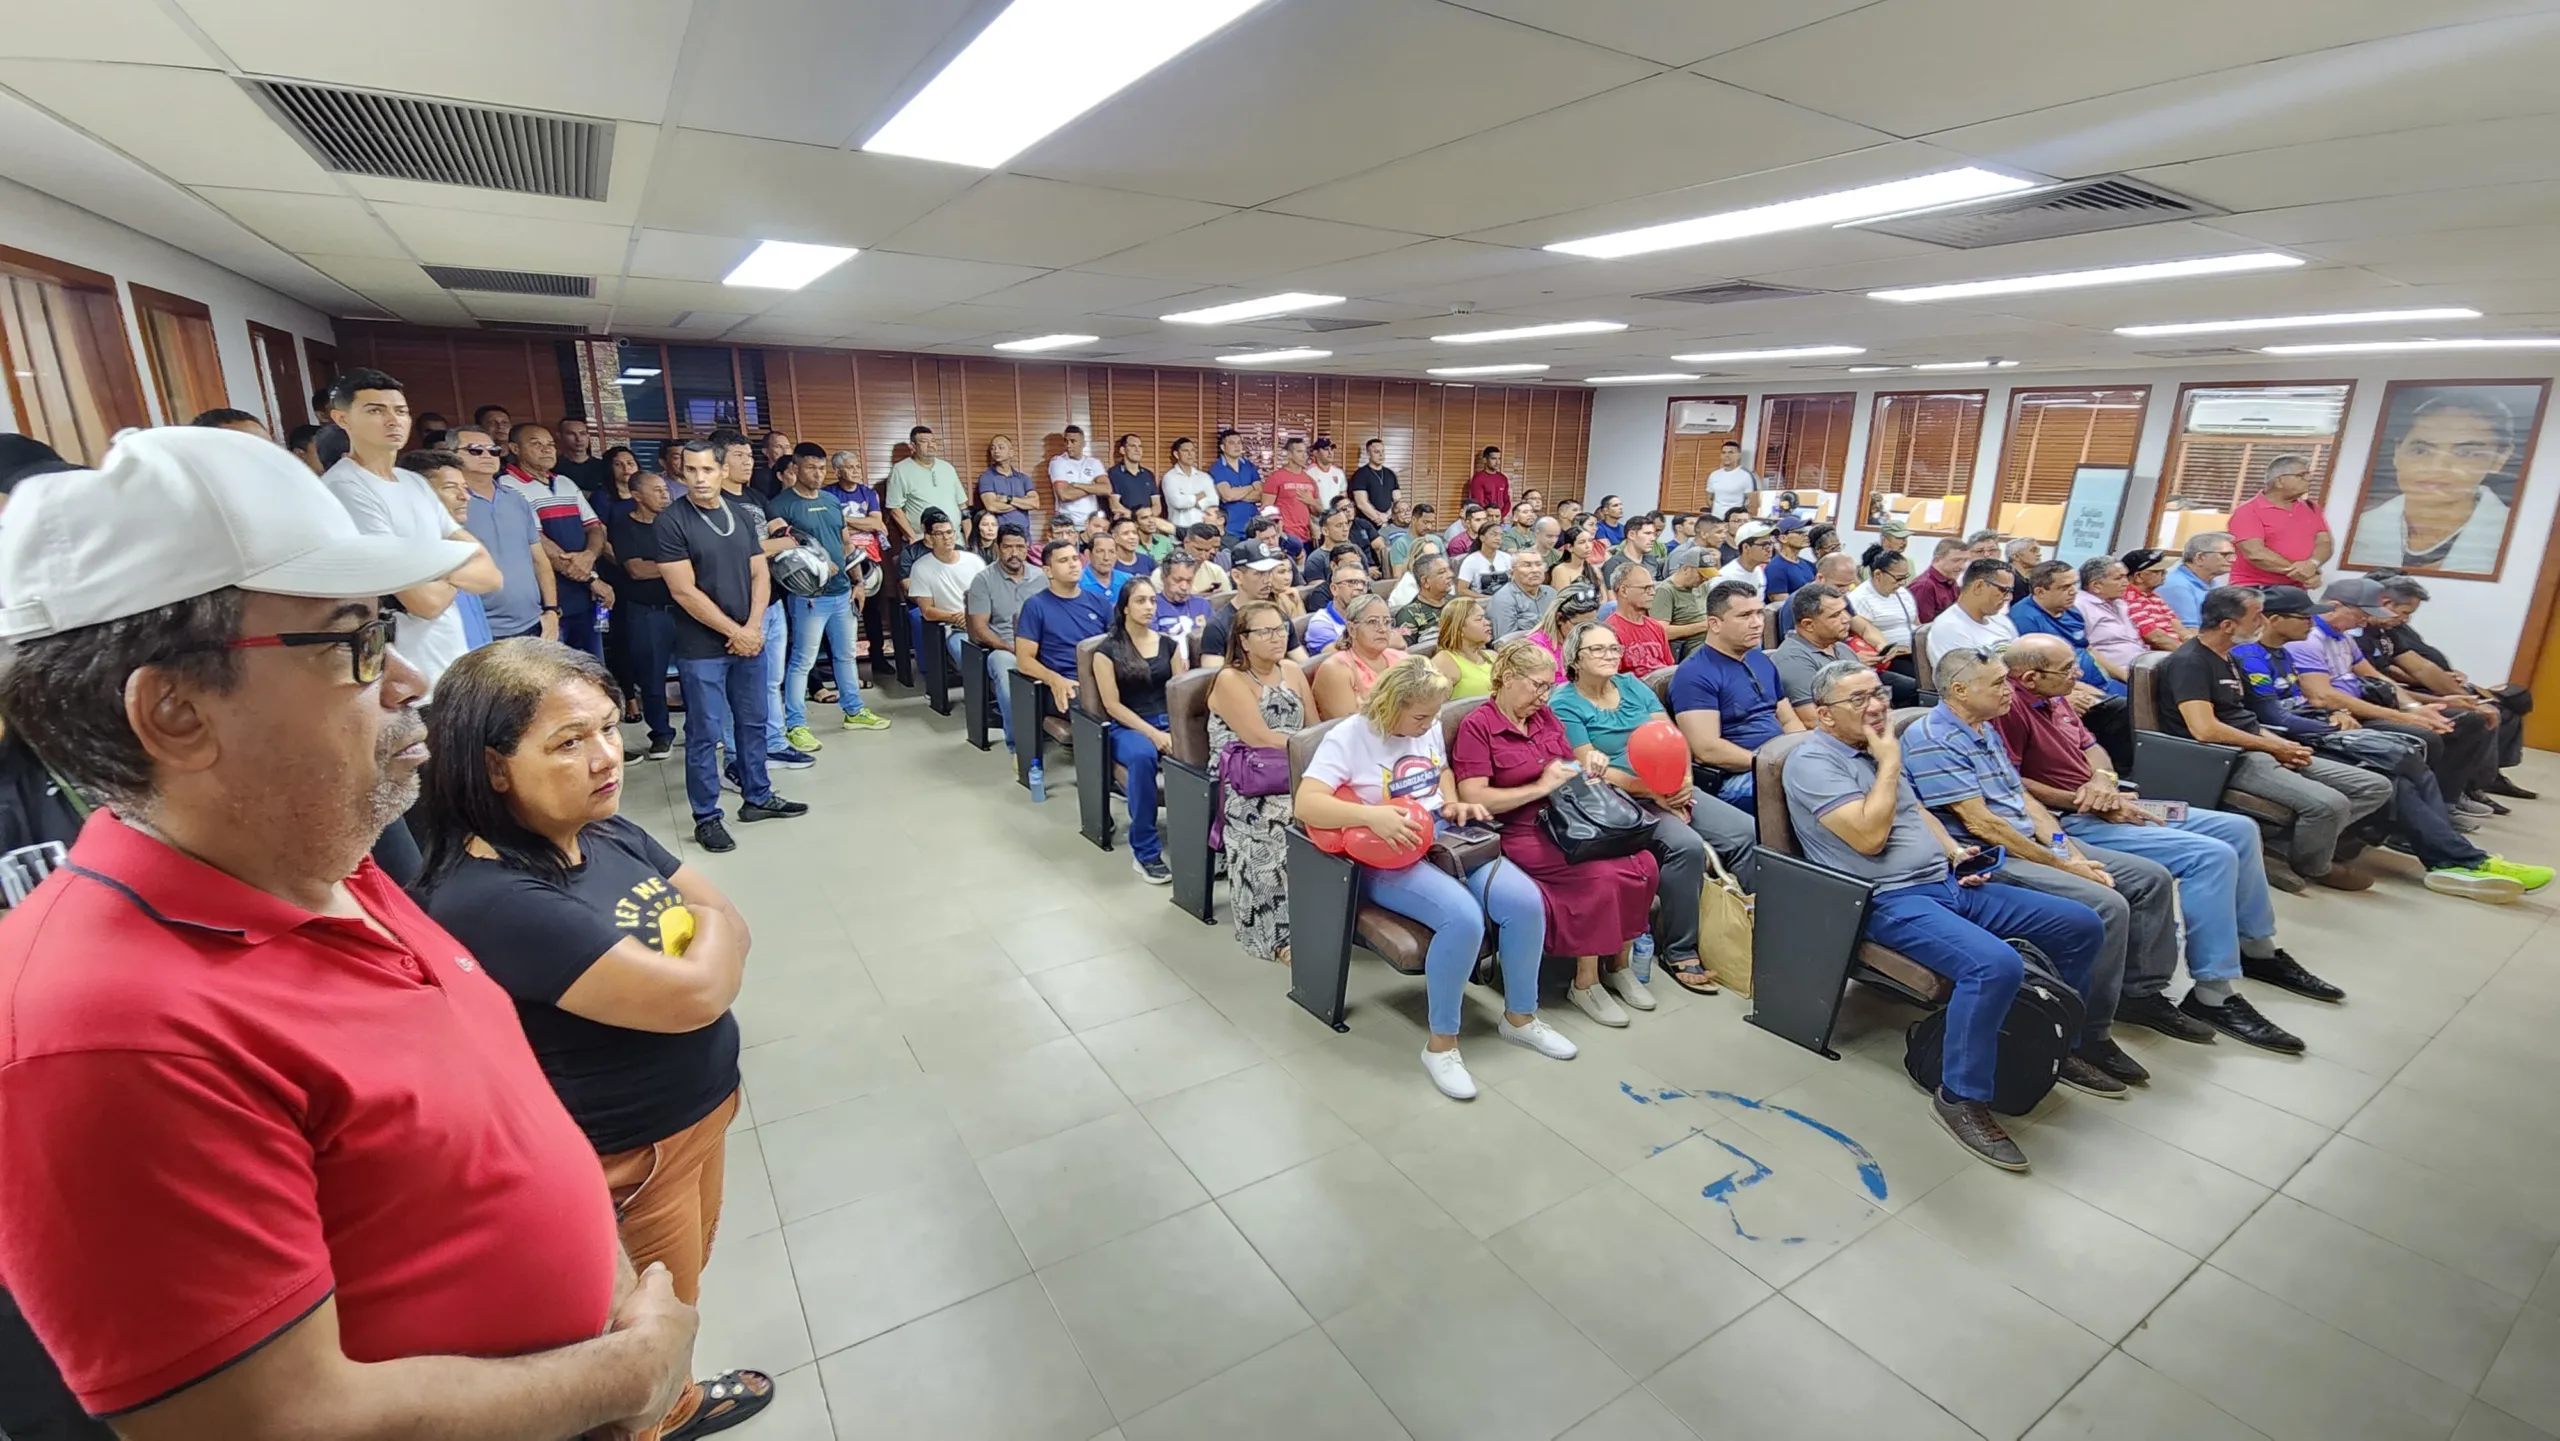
(1981, 863)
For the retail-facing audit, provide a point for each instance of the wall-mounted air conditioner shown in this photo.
(1705, 417)
(2264, 415)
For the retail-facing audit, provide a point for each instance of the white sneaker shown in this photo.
(1593, 1001)
(1540, 1037)
(1630, 990)
(1449, 1074)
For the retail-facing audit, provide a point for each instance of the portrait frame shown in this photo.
(2523, 399)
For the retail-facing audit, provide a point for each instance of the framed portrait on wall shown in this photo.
(2449, 457)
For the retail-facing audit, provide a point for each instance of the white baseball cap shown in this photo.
(181, 511)
(1754, 531)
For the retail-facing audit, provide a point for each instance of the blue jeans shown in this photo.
(2222, 880)
(816, 618)
(721, 702)
(1457, 911)
(1960, 932)
(1139, 756)
(648, 644)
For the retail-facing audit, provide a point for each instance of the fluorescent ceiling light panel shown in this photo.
(1791, 352)
(1272, 357)
(2108, 275)
(1531, 332)
(640, 370)
(1522, 369)
(630, 380)
(2299, 322)
(1046, 342)
(1968, 365)
(961, 116)
(1262, 309)
(2382, 347)
(786, 265)
(1842, 207)
(1665, 378)
(1871, 369)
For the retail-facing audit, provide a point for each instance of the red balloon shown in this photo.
(1364, 845)
(1659, 755)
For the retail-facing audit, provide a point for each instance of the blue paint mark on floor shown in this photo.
(1724, 1190)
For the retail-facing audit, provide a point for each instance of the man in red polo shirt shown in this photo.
(2281, 536)
(1935, 588)
(275, 1158)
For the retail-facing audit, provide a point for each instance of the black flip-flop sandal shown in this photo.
(1693, 976)
(726, 1400)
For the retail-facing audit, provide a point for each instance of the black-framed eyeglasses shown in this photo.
(368, 645)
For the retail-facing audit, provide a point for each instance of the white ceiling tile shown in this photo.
(2480, 206)
(1023, 220)
(634, 148)
(2483, 71)
(448, 237)
(2411, 162)
(1637, 140)
(551, 309)
(844, 61)
(131, 32)
(371, 274)
(930, 278)
(776, 191)
(1673, 32)
(1078, 292)
(334, 224)
(1424, 263)
(1248, 246)
(676, 255)
(1252, 114)
(671, 297)
(562, 58)
(770, 330)
(197, 127)
(1888, 64)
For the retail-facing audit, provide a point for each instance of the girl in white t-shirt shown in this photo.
(1393, 748)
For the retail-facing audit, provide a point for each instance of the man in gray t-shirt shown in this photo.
(1824, 774)
(994, 604)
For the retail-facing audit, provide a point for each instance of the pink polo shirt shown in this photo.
(2289, 531)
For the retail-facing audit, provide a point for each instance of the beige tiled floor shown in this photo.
(1030, 1154)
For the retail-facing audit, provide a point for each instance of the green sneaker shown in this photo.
(801, 738)
(2476, 883)
(866, 720)
(2532, 878)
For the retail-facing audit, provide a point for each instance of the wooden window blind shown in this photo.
(185, 360)
(1688, 456)
(1804, 441)
(2228, 433)
(1921, 450)
(2051, 434)
(72, 382)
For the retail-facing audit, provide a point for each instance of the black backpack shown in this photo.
(2043, 1024)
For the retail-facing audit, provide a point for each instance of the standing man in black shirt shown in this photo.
(578, 460)
(1133, 487)
(2204, 697)
(1373, 494)
(711, 557)
(643, 611)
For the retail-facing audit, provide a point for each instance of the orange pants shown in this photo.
(666, 1199)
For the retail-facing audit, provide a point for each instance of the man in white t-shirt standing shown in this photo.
(1729, 484)
(385, 500)
(1078, 481)
(1331, 480)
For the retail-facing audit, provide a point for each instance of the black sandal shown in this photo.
(726, 1401)
(1693, 976)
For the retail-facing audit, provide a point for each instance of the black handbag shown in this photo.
(1594, 821)
(2043, 1025)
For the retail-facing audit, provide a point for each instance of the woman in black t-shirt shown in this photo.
(621, 959)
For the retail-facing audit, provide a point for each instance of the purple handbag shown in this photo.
(1248, 771)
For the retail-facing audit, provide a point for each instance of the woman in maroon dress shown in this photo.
(1509, 756)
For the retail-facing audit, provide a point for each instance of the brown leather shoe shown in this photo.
(1971, 1124)
(2343, 877)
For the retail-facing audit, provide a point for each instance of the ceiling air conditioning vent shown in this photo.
(2078, 207)
(1730, 292)
(512, 282)
(407, 137)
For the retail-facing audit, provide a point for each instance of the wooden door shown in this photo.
(280, 382)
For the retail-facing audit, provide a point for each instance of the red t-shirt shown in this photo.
(2047, 741)
(1646, 643)
(1294, 492)
(1490, 487)
(2290, 531)
(217, 1110)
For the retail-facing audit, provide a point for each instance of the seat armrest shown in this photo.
(2173, 768)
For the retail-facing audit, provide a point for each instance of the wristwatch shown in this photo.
(553, 609)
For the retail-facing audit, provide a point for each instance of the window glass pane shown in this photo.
(2051, 434)
(705, 387)
(2227, 436)
(1804, 447)
(645, 401)
(758, 404)
(1695, 429)
(1920, 457)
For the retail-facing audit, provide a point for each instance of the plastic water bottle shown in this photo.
(1642, 960)
(1039, 784)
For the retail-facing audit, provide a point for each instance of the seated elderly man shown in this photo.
(1727, 698)
(1855, 811)
(1434, 581)
(2112, 640)
(1522, 604)
(2461, 746)
(1349, 582)
(1963, 773)
(2216, 856)
(1934, 590)
(2051, 608)
(1818, 633)
(2393, 644)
